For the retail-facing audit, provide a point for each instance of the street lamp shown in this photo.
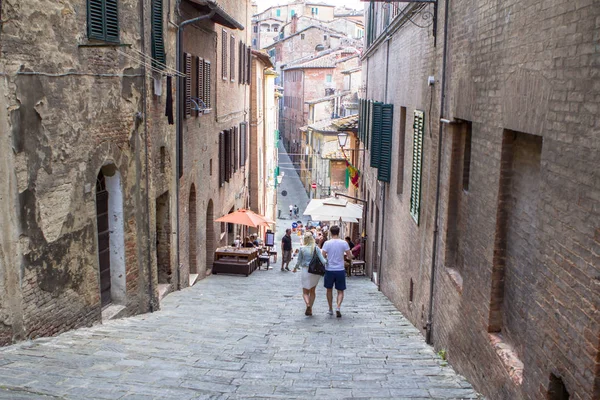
(342, 139)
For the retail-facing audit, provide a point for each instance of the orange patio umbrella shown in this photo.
(244, 217)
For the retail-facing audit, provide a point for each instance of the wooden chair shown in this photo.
(358, 267)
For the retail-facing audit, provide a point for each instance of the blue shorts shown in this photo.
(335, 277)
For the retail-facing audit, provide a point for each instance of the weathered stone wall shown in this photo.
(230, 107)
(71, 108)
(516, 285)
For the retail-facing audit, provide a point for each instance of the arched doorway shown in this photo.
(210, 237)
(111, 236)
(163, 239)
(103, 239)
(192, 238)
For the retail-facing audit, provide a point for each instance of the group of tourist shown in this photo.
(332, 252)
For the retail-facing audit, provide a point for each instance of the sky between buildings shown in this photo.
(263, 4)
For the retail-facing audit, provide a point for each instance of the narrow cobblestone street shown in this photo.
(236, 337)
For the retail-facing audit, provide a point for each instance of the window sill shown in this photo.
(508, 356)
(103, 44)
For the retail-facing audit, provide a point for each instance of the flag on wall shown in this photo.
(353, 173)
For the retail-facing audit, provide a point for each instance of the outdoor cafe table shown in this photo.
(232, 260)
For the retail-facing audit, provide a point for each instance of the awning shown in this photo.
(220, 17)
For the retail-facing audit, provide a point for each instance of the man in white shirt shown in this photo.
(335, 274)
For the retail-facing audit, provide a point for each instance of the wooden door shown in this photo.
(103, 239)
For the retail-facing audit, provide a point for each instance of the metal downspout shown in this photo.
(179, 124)
(428, 327)
(145, 105)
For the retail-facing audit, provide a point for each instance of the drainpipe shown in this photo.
(145, 105)
(429, 325)
(179, 124)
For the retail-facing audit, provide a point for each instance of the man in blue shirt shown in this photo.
(335, 274)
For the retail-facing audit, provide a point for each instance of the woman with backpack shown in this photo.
(309, 281)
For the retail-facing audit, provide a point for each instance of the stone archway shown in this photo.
(111, 236)
(210, 236)
(192, 234)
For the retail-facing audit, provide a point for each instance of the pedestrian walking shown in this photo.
(291, 210)
(296, 210)
(286, 250)
(335, 273)
(309, 281)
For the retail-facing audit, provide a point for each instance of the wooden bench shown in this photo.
(233, 267)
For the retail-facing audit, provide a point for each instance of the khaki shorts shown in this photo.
(287, 256)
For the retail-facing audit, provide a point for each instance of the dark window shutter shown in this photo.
(232, 58)
(224, 54)
(417, 165)
(248, 65)
(227, 155)
(361, 119)
(385, 143)
(231, 152)
(207, 83)
(200, 80)
(376, 133)
(103, 20)
(188, 84)
(158, 42)
(221, 158)
(242, 79)
(236, 149)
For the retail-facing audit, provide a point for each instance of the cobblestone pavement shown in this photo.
(237, 337)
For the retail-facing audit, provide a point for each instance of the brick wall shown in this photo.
(516, 288)
(71, 109)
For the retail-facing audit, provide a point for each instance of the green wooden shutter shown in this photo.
(103, 20)
(417, 165)
(360, 119)
(376, 133)
(158, 42)
(385, 143)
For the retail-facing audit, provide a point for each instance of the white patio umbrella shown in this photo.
(332, 218)
(333, 208)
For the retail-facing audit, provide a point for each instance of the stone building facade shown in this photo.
(89, 189)
(511, 249)
(80, 147)
(263, 155)
(215, 140)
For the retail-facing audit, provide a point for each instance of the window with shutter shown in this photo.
(242, 80)
(227, 155)
(231, 152)
(221, 158)
(103, 20)
(188, 84)
(207, 84)
(368, 125)
(224, 54)
(417, 165)
(200, 81)
(158, 42)
(232, 58)
(385, 143)
(236, 149)
(248, 65)
(375, 133)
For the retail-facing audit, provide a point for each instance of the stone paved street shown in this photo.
(235, 337)
(232, 337)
